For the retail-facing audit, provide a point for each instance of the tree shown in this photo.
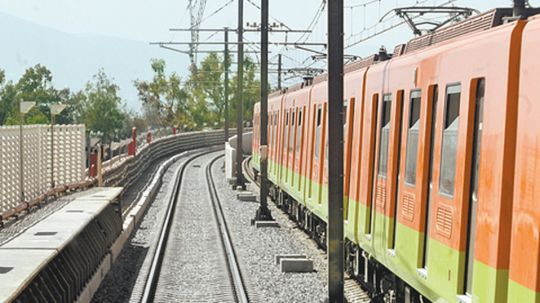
(163, 98)
(101, 107)
(251, 91)
(199, 102)
(34, 85)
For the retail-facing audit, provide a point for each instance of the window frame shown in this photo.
(451, 89)
(387, 100)
(414, 94)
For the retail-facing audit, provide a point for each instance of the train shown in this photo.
(441, 163)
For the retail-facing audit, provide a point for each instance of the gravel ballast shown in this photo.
(256, 249)
(121, 283)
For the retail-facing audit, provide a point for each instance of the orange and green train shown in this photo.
(442, 163)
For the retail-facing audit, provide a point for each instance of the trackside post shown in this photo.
(335, 152)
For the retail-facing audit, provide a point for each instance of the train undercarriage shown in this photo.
(382, 285)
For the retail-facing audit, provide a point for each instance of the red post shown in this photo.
(174, 130)
(132, 147)
(149, 137)
(93, 164)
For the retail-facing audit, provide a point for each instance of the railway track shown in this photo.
(194, 259)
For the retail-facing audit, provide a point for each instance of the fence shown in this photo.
(69, 159)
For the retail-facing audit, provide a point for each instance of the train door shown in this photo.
(284, 147)
(290, 151)
(348, 127)
(312, 144)
(433, 97)
(317, 153)
(475, 164)
(392, 188)
(371, 171)
(271, 145)
(276, 142)
(383, 134)
(298, 148)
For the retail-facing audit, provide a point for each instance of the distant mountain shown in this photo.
(74, 58)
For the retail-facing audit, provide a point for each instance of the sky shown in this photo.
(147, 21)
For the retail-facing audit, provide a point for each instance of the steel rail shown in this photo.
(234, 267)
(157, 259)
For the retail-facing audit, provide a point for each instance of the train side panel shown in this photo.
(295, 105)
(442, 266)
(354, 94)
(274, 135)
(525, 251)
(315, 195)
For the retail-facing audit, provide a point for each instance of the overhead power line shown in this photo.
(386, 29)
(275, 19)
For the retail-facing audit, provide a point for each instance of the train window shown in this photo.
(291, 135)
(385, 134)
(275, 132)
(344, 112)
(319, 115)
(450, 140)
(271, 129)
(318, 131)
(285, 137)
(412, 137)
(299, 131)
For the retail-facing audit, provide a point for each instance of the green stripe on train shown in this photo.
(518, 293)
(443, 278)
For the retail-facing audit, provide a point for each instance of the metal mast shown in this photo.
(196, 10)
(335, 152)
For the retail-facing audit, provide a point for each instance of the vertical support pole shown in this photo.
(21, 162)
(335, 152)
(240, 96)
(52, 151)
(263, 213)
(519, 8)
(226, 83)
(99, 167)
(279, 71)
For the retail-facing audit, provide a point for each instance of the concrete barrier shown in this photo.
(230, 154)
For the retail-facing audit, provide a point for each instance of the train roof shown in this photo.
(478, 23)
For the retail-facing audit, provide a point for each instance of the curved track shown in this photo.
(194, 260)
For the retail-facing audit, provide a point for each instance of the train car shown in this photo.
(524, 271)
(433, 137)
(295, 104)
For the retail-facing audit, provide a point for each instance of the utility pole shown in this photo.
(240, 96)
(519, 8)
(226, 83)
(24, 108)
(263, 213)
(56, 109)
(279, 71)
(335, 152)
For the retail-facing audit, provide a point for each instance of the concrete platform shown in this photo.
(246, 196)
(259, 224)
(41, 252)
(296, 265)
(289, 256)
